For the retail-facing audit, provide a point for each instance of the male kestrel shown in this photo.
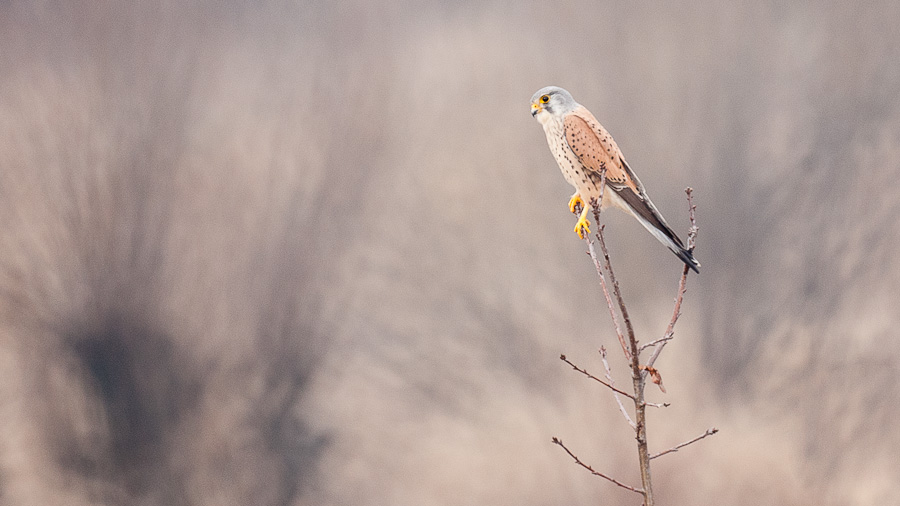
(583, 148)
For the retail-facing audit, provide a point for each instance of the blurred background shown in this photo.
(286, 253)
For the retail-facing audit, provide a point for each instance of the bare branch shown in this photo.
(692, 233)
(616, 395)
(709, 432)
(616, 291)
(609, 302)
(670, 330)
(676, 312)
(654, 343)
(632, 351)
(637, 377)
(598, 380)
(593, 253)
(578, 461)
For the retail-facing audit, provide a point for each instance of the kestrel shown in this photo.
(583, 148)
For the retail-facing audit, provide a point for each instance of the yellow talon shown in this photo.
(574, 201)
(581, 226)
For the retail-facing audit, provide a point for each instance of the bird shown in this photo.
(583, 149)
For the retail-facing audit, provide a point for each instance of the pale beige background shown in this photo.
(318, 254)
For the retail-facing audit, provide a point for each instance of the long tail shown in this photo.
(671, 241)
(649, 217)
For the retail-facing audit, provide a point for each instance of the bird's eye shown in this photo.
(545, 99)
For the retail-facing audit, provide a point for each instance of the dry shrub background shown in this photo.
(285, 253)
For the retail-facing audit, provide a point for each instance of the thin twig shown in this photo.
(578, 461)
(692, 233)
(670, 330)
(609, 302)
(616, 291)
(598, 380)
(654, 343)
(709, 432)
(597, 265)
(676, 312)
(616, 395)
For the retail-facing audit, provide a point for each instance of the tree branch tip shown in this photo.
(709, 432)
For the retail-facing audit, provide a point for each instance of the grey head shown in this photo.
(553, 100)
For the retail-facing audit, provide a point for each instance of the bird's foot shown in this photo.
(581, 226)
(574, 201)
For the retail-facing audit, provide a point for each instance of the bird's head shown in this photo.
(551, 102)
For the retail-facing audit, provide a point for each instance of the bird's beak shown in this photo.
(536, 108)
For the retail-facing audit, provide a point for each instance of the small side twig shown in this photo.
(654, 343)
(709, 432)
(616, 395)
(578, 461)
(598, 380)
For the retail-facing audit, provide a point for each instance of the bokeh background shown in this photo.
(287, 253)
